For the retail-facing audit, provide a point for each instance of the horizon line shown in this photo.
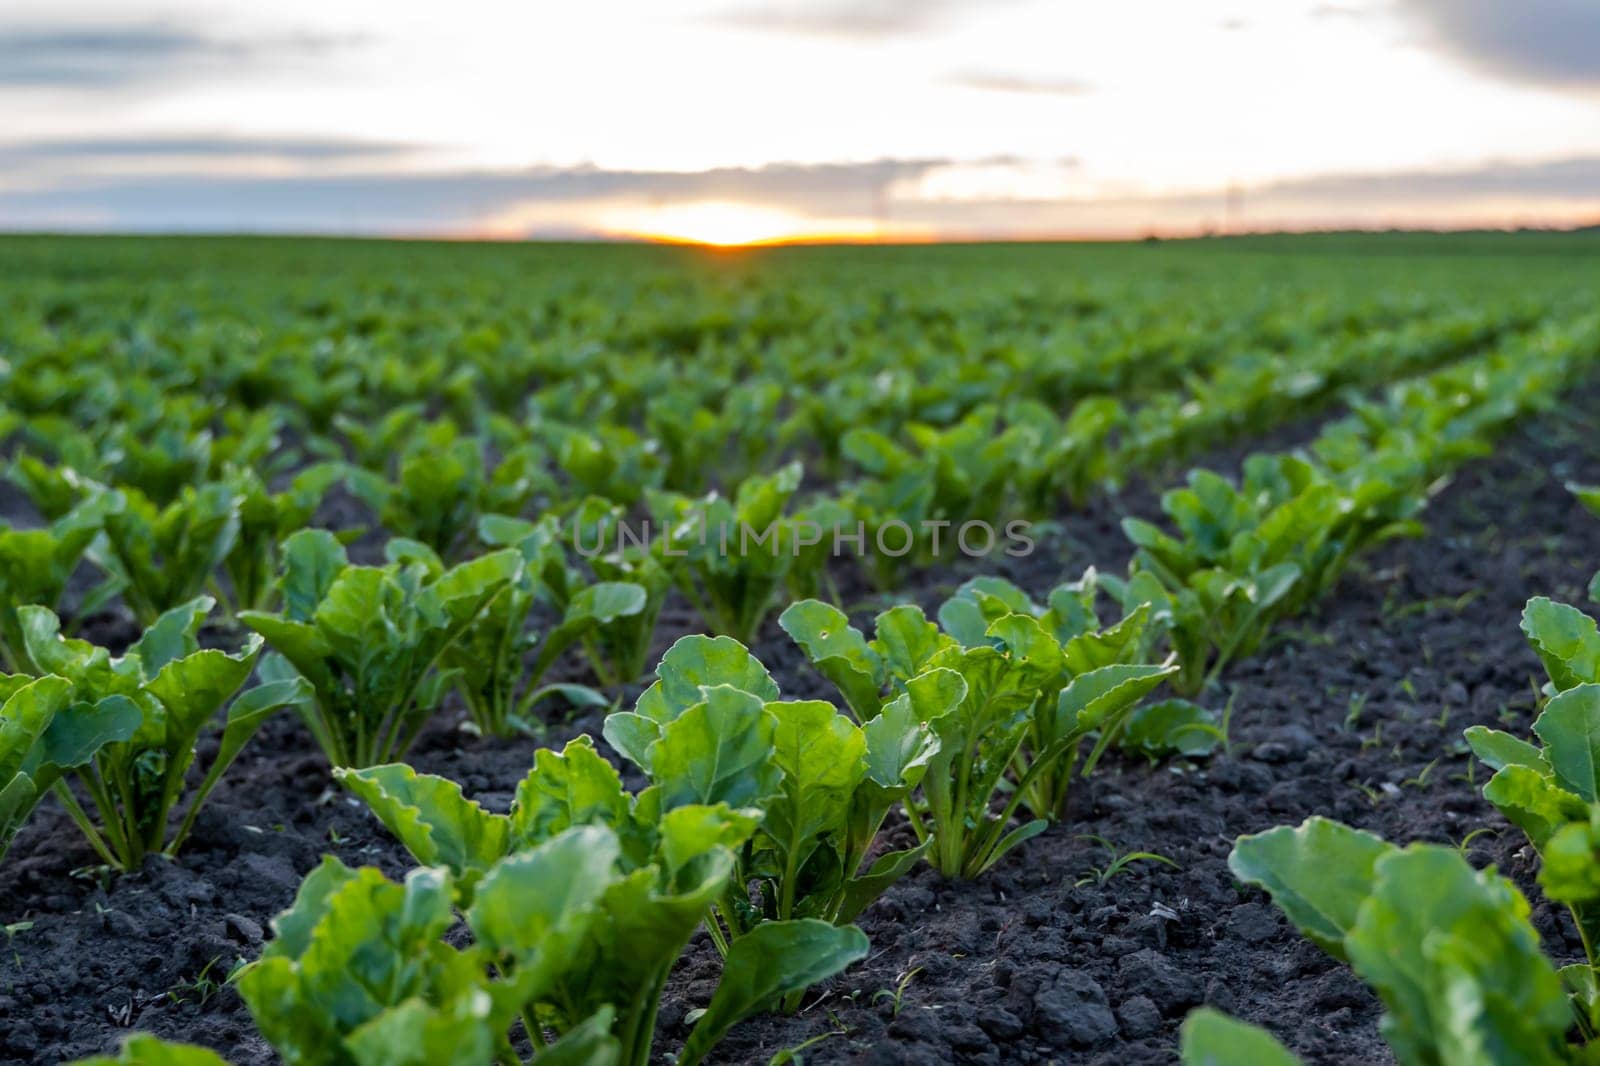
(817, 241)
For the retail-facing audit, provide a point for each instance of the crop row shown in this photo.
(759, 814)
(1449, 949)
(170, 425)
(191, 513)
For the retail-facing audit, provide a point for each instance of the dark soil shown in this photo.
(1357, 714)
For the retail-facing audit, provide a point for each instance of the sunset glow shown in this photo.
(706, 121)
(728, 224)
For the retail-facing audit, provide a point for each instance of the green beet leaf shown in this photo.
(417, 1033)
(692, 663)
(368, 639)
(490, 660)
(573, 787)
(1452, 955)
(1211, 1038)
(35, 566)
(1172, 727)
(1498, 750)
(1570, 729)
(1318, 873)
(173, 690)
(39, 725)
(839, 652)
(1533, 802)
(430, 816)
(143, 1049)
(773, 960)
(1566, 640)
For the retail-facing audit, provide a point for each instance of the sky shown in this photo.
(783, 119)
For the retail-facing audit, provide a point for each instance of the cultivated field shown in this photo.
(417, 653)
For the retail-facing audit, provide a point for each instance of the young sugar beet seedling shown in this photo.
(1020, 709)
(958, 473)
(1070, 456)
(1243, 557)
(147, 710)
(733, 557)
(35, 566)
(54, 489)
(166, 556)
(487, 661)
(633, 877)
(157, 452)
(604, 459)
(44, 734)
(712, 729)
(619, 651)
(1552, 791)
(438, 494)
(369, 640)
(265, 519)
(1448, 949)
(1103, 677)
(358, 975)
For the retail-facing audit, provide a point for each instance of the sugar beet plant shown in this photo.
(370, 639)
(166, 556)
(1018, 708)
(947, 476)
(125, 729)
(437, 494)
(712, 729)
(1448, 949)
(489, 662)
(44, 735)
(54, 489)
(579, 900)
(735, 557)
(619, 650)
(1245, 556)
(266, 519)
(1098, 693)
(35, 566)
(1551, 791)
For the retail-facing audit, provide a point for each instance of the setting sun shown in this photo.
(727, 223)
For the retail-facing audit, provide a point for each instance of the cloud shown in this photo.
(550, 201)
(98, 57)
(1000, 82)
(441, 202)
(178, 149)
(1339, 11)
(864, 21)
(1576, 178)
(1490, 194)
(1549, 42)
